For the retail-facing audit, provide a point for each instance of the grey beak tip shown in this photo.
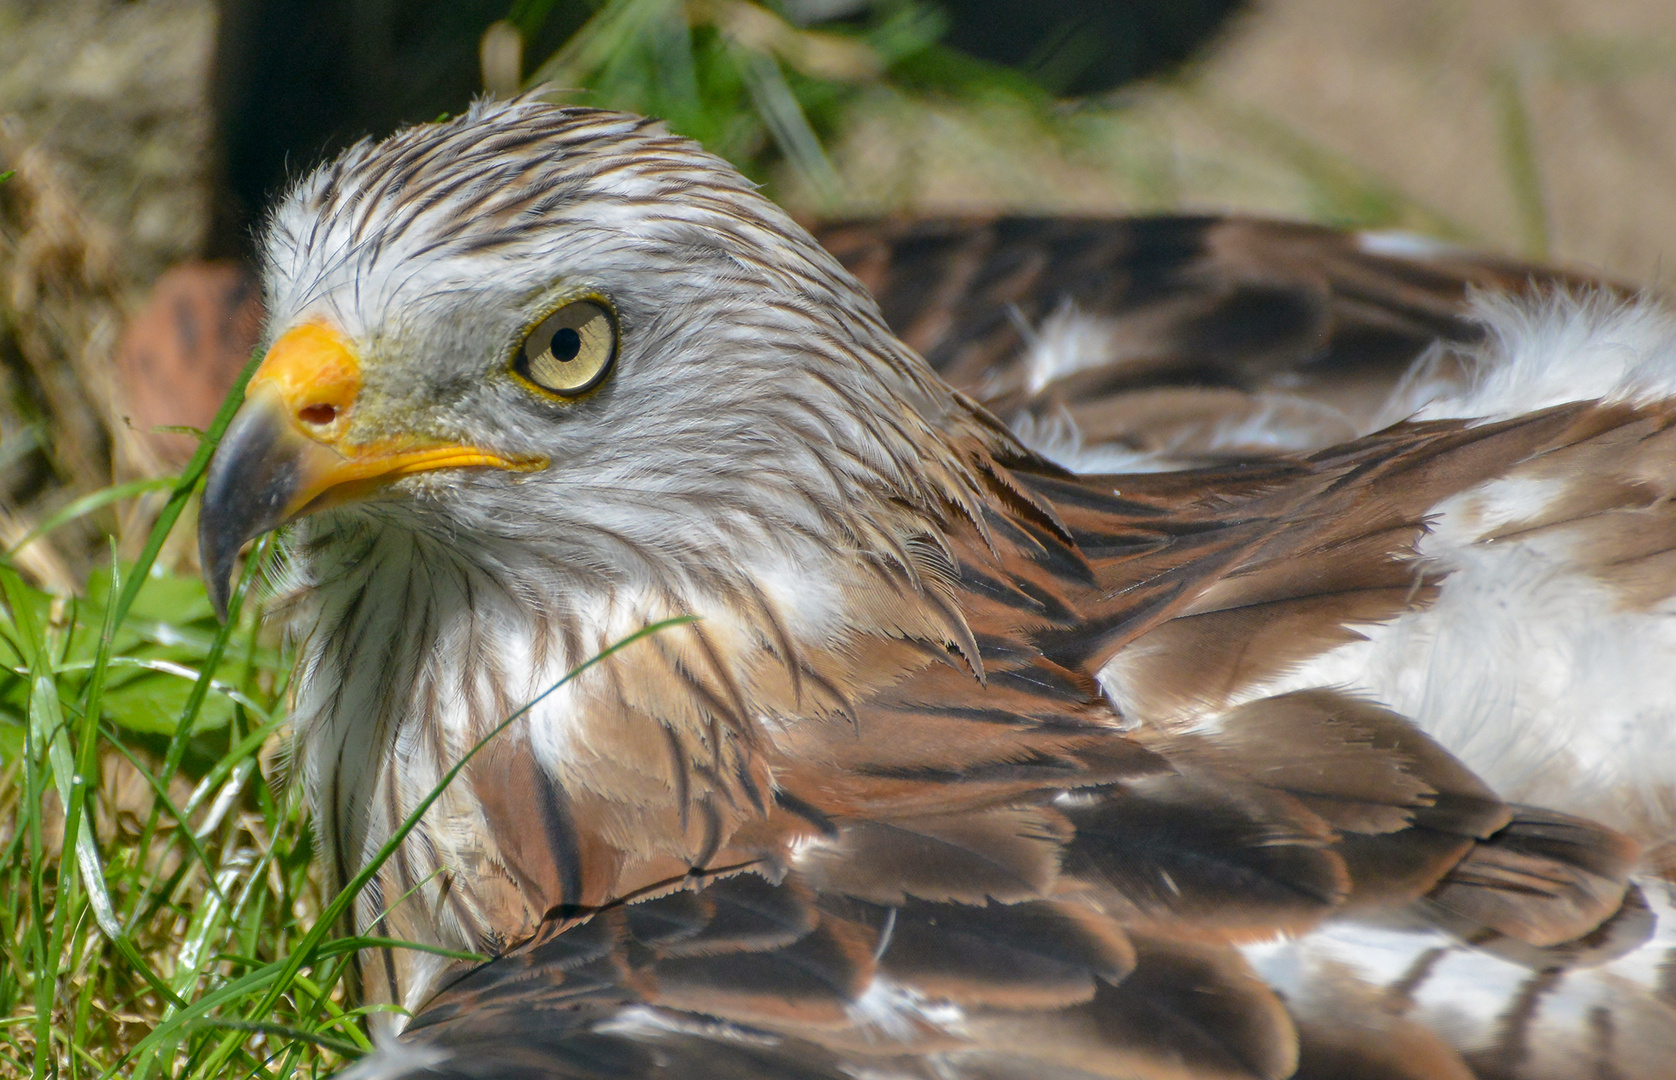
(220, 535)
(249, 485)
(218, 578)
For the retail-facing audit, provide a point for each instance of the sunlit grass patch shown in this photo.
(163, 915)
(155, 879)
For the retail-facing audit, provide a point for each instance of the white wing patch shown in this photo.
(1396, 243)
(1057, 438)
(395, 1059)
(1548, 351)
(1067, 342)
(1528, 667)
(1530, 671)
(899, 1013)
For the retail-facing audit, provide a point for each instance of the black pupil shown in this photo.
(565, 345)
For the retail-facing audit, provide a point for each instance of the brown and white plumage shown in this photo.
(1175, 341)
(969, 766)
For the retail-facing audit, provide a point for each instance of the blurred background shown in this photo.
(145, 137)
(140, 141)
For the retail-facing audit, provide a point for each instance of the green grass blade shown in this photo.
(189, 715)
(341, 1046)
(88, 503)
(42, 717)
(608, 33)
(786, 122)
(46, 713)
(196, 950)
(181, 671)
(183, 489)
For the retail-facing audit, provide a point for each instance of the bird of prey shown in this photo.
(1287, 691)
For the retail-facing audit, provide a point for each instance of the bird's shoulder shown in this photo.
(989, 863)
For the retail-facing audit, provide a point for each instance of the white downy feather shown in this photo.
(1526, 667)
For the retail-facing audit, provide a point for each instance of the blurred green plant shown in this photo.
(754, 86)
(144, 860)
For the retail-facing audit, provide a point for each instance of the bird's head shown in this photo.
(569, 327)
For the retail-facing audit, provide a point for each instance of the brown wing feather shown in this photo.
(960, 859)
(986, 863)
(1544, 879)
(1207, 322)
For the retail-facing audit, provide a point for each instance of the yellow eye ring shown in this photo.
(571, 350)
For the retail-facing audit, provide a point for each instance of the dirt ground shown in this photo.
(114, 93)
(1547, 126)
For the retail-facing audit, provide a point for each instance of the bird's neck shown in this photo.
(652, 765)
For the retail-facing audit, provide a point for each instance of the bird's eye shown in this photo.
(572, 349)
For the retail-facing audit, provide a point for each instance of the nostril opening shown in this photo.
(317, 414)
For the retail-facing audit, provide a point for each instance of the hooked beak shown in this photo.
(287, 453)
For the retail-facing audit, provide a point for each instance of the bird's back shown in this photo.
(1286, 692)
(1252, 868)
